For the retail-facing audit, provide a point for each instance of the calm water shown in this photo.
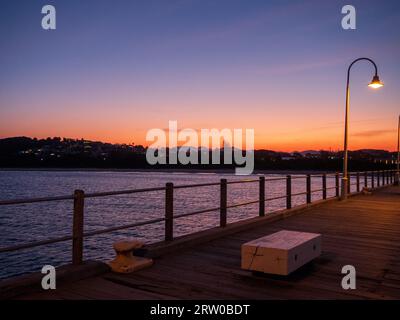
(23, 223)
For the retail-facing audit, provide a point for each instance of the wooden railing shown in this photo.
(376, 178)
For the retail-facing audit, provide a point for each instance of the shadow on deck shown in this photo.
(363, 231)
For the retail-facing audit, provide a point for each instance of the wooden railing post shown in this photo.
(349, 184)
(169, 211)
(358, 181)
(262, 196)
(288, 192)
(337, 184)
(366, 179)
(223, 202)
(396, 177)
(77, 227)
(324, 186)
(372, 179)
(308, 188)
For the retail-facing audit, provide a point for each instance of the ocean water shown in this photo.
(40, 221)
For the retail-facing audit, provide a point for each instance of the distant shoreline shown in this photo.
(161, 170)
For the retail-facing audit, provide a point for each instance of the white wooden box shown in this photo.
(281, 252)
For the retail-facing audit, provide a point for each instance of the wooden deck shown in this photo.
(363, 231)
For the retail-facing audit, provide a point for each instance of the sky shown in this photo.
(112, 70)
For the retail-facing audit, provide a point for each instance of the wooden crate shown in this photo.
(281, 253)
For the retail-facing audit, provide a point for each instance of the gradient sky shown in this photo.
(114, 69)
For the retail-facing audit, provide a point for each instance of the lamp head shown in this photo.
(375, 83)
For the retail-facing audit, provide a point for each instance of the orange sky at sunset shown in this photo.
(294, 132)
(272, 66)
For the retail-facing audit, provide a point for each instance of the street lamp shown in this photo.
(375, 83)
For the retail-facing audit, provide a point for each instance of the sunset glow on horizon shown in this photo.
(111, 73)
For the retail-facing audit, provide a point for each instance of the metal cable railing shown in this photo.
(370, 179)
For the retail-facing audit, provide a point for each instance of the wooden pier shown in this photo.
(363, 231)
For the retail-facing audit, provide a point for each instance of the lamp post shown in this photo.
(375, 83)
(397, 180)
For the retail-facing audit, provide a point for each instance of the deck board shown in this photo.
(363, 231)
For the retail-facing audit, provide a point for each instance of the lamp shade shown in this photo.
(375, 83)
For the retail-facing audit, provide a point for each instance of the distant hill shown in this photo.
(305, 152)
(73, 153)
